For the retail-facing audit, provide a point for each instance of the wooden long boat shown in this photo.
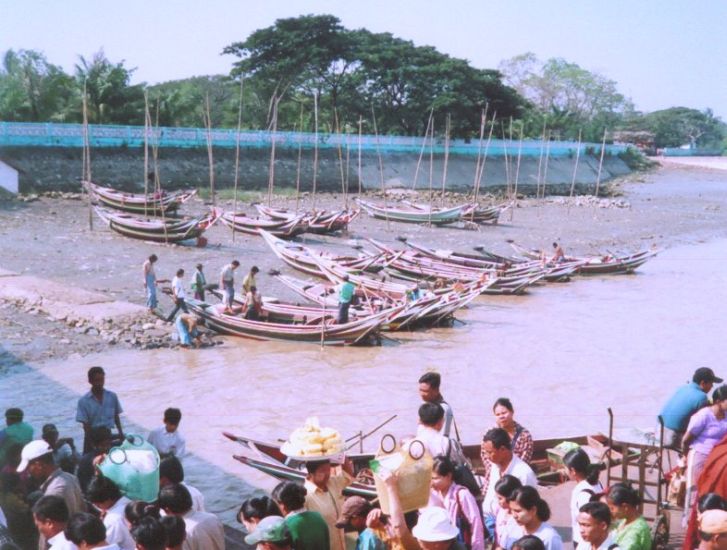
(301, 257)
(409, 214)
(319, 222)
(152, 204)
(598, 265)
(559, 272)
(283, 328)
(546, 462)
(157, 229)
(485, 214)
(285, 229)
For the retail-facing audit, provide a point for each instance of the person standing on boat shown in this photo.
(227, 283)
(253, 304)
(325, 495)
(558, 254)
(178, 295)
(199, 283)
(684, 403)
(345, 295)
(150, 282)
(429, 384)
(249, 281)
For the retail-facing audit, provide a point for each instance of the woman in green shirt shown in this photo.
(630, 530)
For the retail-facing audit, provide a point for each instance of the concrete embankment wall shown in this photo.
(59, 168)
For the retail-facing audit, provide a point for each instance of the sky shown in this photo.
(661, 53)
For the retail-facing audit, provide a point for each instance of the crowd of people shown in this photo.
(53, 495)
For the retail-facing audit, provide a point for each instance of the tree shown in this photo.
(679, 126)
(111, 97)
(566, 97)
(32, 89)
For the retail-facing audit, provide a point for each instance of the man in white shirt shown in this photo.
(50, 515)
(496, 447)
(594, 522)
(227, 284)
(106, 497)
(179, 294)
(431, 420)
(429, 384)
(167, 439)
(204, 531)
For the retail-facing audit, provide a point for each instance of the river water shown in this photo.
(563, 354)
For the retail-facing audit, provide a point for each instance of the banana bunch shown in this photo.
(311, 440)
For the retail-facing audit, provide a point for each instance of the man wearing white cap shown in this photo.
(713, 530)
(37, 459)
(434, 531)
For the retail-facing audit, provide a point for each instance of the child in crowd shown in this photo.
(167, 439)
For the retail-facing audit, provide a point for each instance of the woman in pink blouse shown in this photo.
(707, 427)
(458, 501)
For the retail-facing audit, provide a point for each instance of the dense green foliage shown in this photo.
(679, 126)
(352, 74)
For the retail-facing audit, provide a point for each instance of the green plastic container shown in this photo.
(134, 467)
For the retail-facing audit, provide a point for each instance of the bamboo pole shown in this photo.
(273, 140)
(575, 170)
(540, 161)
(381, 166)
(483, 121)
(86, 162)
(315, 148)
(340, 159)
(157, 180)
(509, 190)
(431, 172)
(360, 172)
(547, 162)
(484, 158)
(348, 168)
(147, 124)
(300, 158)
(504, 150)
(600, 162)
(517, 170)
(237, 155)
(209, 152)
(421, 150)
(446, 155)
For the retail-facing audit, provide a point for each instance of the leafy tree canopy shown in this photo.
(679, 126)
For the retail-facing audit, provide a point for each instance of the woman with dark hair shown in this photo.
(459, 503)
(587, 486)
(256, 508)
(532, 513)
(630, 531)
(706, 428)
(506, 528)
(521, 441)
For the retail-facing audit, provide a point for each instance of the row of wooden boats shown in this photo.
(409, 212)
(152, 204)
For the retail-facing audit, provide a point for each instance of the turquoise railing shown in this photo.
(27, 134)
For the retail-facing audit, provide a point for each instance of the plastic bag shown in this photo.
(134, 467)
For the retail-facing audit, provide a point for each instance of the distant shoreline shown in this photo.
(713, 163)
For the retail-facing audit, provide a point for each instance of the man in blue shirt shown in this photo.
(99, 407)
(684, 403)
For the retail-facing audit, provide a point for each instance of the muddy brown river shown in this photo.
(563, 354)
